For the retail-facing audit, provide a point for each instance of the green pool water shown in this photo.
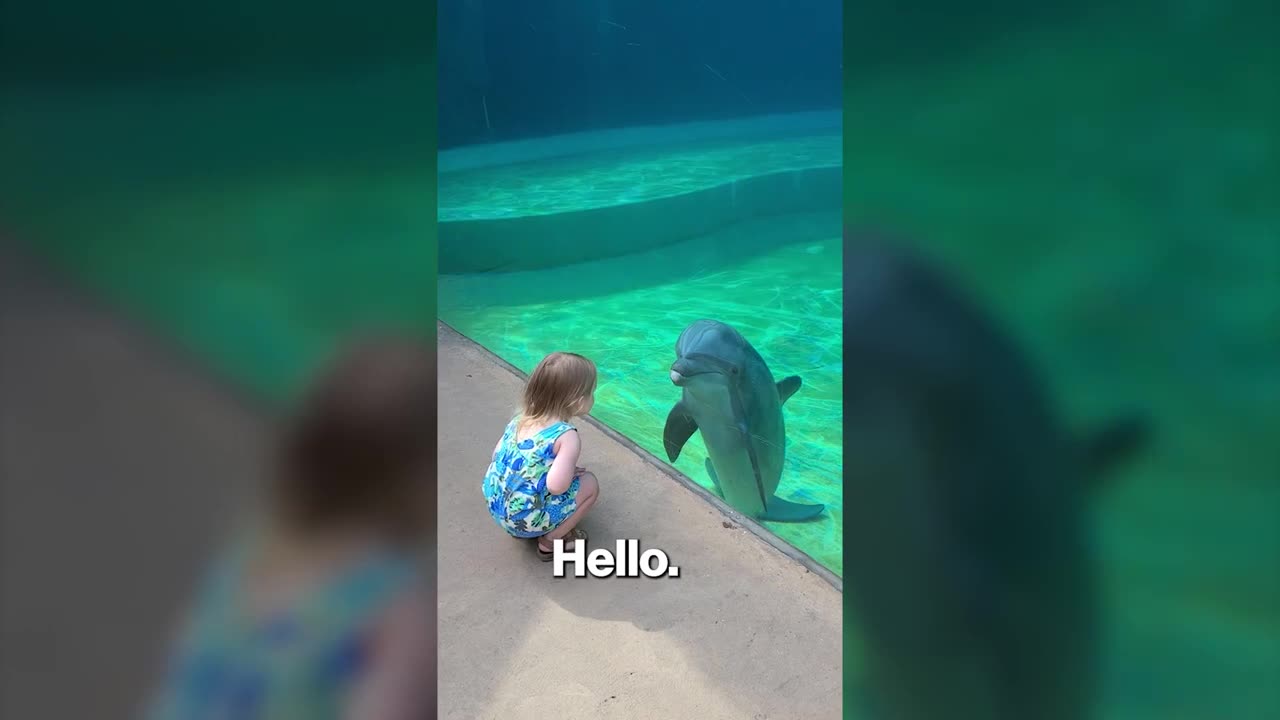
(600, 179)
(627, 313)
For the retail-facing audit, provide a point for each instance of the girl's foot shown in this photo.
(546, 552)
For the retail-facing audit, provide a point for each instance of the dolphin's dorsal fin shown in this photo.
(1109, 445)
(680, 427)
(788, 387)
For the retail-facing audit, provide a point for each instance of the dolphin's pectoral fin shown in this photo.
(1106, 447)
(715, 479)
(780, 510)
(788, 387)
(680, 427)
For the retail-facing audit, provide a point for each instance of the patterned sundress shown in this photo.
(515, 486)
(297, 665)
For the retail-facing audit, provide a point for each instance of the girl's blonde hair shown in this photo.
(558, 385)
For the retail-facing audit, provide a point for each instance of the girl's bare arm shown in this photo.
(568, 447)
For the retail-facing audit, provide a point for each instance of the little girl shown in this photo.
(320, 610)
(534, 486)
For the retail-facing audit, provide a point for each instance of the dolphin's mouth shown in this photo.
(695, 364)
(681, 374)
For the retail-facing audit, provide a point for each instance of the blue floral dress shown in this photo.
(298, 665)
(515, 486)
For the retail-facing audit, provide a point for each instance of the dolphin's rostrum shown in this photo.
(728, 393)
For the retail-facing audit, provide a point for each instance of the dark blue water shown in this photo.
(560, 66)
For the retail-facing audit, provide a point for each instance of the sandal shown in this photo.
(575, 535)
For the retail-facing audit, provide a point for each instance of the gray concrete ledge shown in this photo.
(745, 632)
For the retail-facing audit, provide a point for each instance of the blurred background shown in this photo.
(1105, 177)
(196, 203)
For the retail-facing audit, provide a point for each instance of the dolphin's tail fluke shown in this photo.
(780, 510)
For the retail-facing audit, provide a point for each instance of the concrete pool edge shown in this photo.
(750, 525)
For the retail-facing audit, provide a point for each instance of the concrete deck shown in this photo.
(745, 632)
(119, 468)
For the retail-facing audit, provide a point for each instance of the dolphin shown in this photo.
(967, 542)
(728, 393)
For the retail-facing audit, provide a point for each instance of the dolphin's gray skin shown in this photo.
(967, 545)
(729, 394)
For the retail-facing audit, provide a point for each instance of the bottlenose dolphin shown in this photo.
(967, 544)
(729, 394)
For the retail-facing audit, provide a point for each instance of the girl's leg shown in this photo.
(588, 493)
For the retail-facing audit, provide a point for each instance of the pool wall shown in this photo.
(472, 246)
(474, 157)
(533, 240)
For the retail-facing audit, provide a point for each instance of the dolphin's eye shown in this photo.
(734, 370)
